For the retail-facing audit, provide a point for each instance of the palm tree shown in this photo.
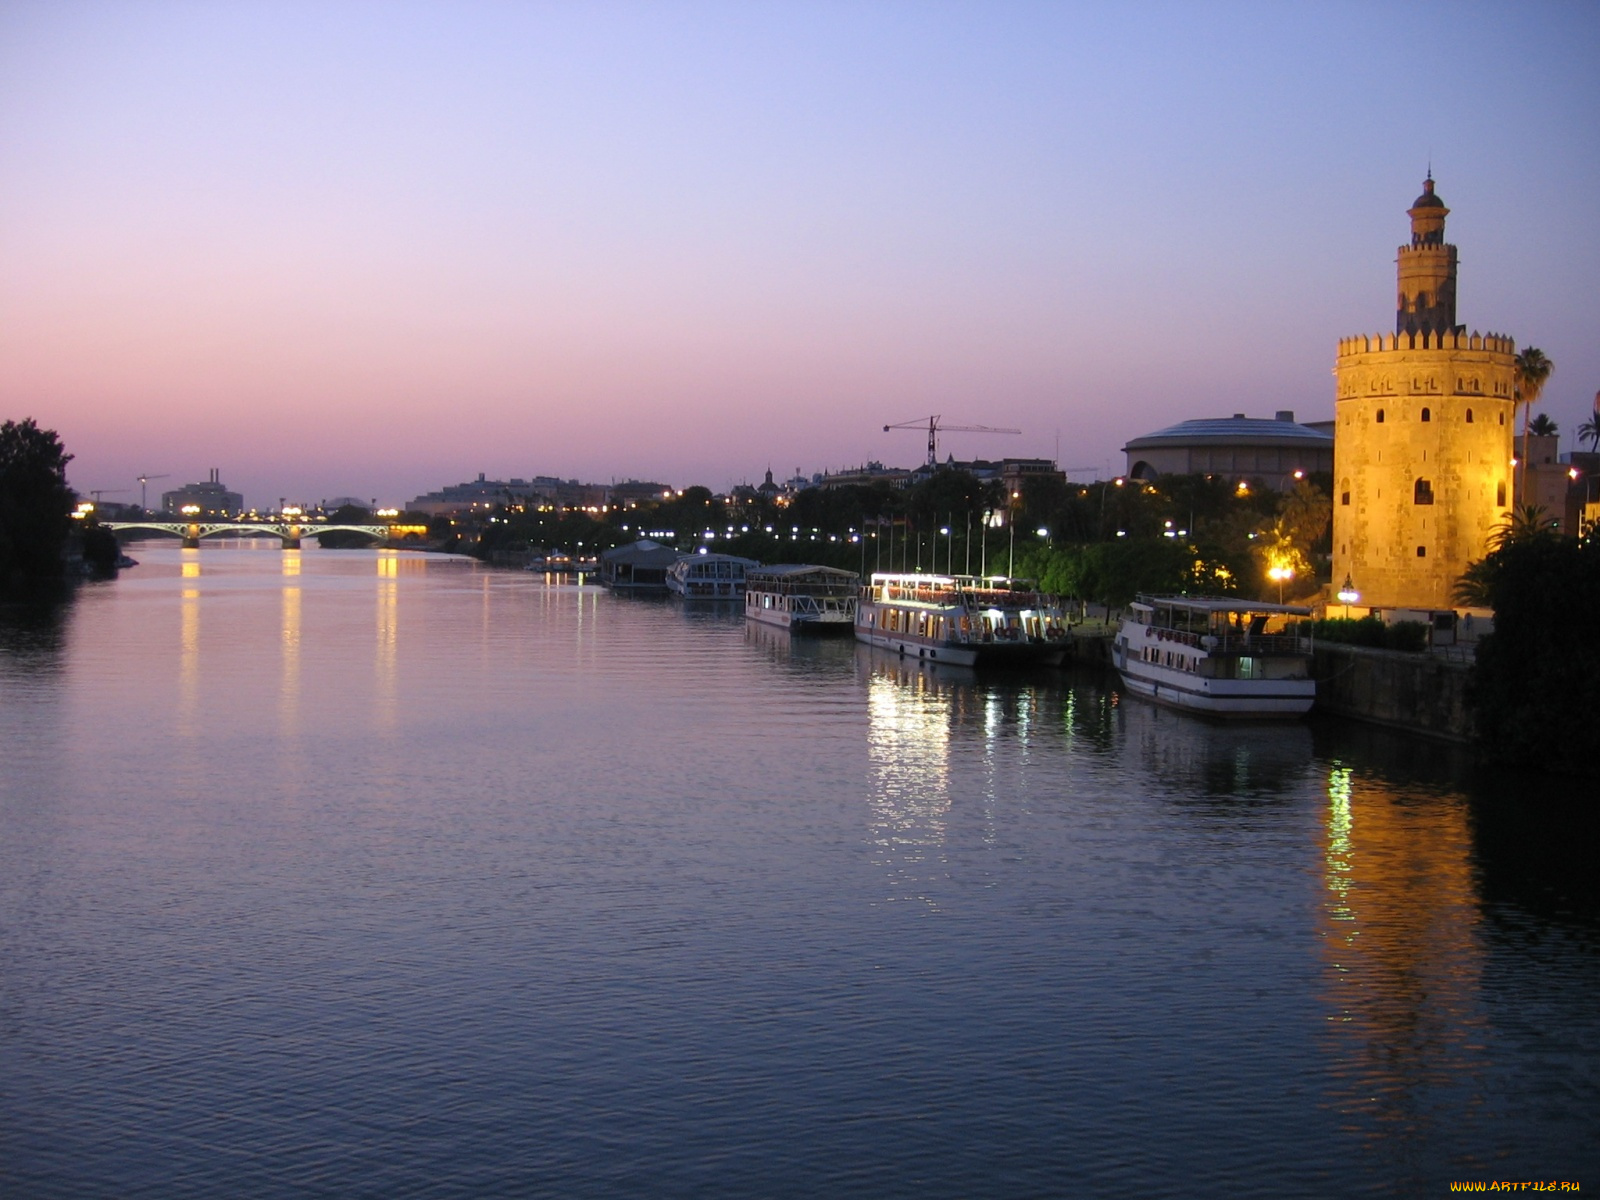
(1543, 426)
(1589, 431)
(1525, 523)
(1532, 370)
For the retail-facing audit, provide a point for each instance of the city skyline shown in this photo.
(336, 250)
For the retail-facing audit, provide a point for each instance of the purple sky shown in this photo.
(373, 248)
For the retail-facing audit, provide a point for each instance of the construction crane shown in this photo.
(98, 492)
(144, 479)
(934, 429)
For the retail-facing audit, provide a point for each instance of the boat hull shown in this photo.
(1266, 699)
(968, 654)
(820, 623)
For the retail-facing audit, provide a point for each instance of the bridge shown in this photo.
(290, 532)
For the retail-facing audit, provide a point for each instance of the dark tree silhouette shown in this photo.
(35, 504)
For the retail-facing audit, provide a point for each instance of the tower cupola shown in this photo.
(1427, 270)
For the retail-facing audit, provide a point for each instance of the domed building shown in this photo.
(1238, 447)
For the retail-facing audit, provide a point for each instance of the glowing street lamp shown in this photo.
(1348, 595)
(1280, 575)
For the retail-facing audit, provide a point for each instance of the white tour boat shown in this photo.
(967, 620)
(1220, 657)
(801, 597)
(709, 576)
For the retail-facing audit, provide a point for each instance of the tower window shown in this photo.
(1422, 552)
(1344, 493)
(1427, 414)
(1380, 416)
(1500, 494)
(1469, 416)
(1502, 418)
(1423, 492)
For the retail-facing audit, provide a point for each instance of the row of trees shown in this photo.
(1102, 542)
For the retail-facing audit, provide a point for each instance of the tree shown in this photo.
(1524, 525)
(1543, 426)
(1532, 370)
(35, 504)
(1535, 683)
(1589, 431)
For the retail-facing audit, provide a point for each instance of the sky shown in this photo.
(373, 248)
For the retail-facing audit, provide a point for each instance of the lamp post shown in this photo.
(1281, 575)
(1348, 595)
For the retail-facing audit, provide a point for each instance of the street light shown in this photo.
(1348, 595)
(1282, 575)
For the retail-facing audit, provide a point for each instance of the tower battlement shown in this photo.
(1494, 343)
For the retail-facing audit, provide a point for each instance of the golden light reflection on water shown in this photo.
(385, 702)
(908, 750)
(188, 655)
(289, 686)
(1401, 952)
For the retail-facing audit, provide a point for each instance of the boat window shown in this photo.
(1247, 667)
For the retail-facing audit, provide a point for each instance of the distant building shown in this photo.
(210, 497)
(484, 495)
(479, 495)
(863, 476)
(1546, 479)
(632, 492)
(1422, 471)
(1237, 447)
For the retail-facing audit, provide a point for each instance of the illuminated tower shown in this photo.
(1423, 440)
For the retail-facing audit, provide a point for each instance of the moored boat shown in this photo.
(709, 576)
(1217, 656)
(801, 597)
(967, 620)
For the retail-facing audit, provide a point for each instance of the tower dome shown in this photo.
(1427, 215)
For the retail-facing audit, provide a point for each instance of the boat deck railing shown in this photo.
(1236, 643)
(970, 599)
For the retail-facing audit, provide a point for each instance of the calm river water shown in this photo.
(356, 874)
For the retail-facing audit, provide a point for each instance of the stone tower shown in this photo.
(1423, 435)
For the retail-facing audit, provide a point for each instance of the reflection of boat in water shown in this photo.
(709, 576)
(1219, 657)
(967, 620)
(800, 597)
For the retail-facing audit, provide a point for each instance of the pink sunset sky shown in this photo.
(370, 249)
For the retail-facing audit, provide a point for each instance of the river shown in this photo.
(359, 873)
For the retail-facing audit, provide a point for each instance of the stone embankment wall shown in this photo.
(1421, 693)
